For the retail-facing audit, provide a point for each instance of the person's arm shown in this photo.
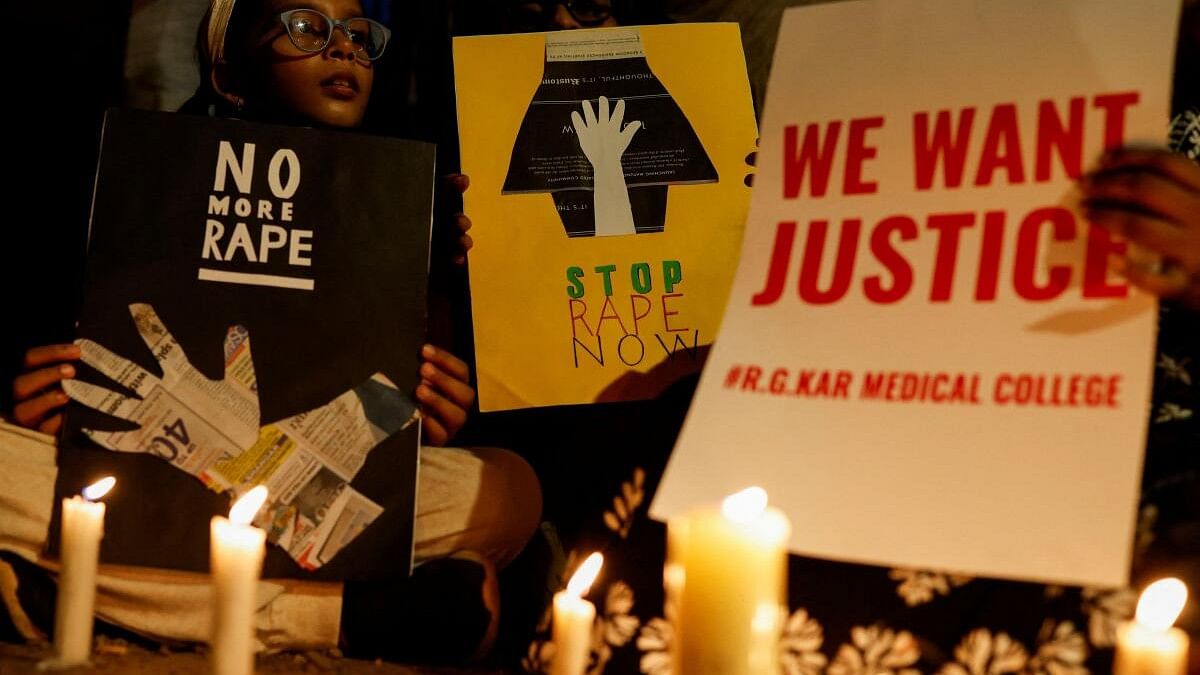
(1151, 197)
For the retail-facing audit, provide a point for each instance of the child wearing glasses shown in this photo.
(312, 63)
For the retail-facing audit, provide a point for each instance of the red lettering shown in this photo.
(578, 317)
(813, 158)
(1114, 106)
(1100, 245)
(948, 226)
(606, 316)
(1052, 136)
(750, 379)
(886, 254)
(1001, 147)
(953, 153)
(989, 256)
(633, 298)
(1025, 267)
(667, 314)
(781, 255)
(843, 267)
(857, 151)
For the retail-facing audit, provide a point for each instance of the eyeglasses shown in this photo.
(311, 31)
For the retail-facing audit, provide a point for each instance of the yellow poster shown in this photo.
(608, 199)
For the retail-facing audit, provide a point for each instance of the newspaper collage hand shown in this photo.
(604, 141)
(211, 430)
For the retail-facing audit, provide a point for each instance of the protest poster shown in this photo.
(607, 199)
(926, 360)
(208, 236)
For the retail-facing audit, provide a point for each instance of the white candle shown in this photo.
(1149, 645)
(82, 529)
(573, 619)
(734, 586)
(236, 556)
(673, 583)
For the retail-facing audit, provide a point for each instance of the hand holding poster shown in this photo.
(607, 198)
(925, 359)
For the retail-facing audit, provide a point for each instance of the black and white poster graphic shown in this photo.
(207, 237)
(604, 137)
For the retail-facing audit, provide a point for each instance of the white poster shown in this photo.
(925, 360)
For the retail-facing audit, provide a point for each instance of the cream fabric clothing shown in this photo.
(482, 500)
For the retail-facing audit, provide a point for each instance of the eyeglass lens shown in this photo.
(311, 31)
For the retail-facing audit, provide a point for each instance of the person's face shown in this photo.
(326, 88)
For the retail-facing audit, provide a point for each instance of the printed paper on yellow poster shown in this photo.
(608, 201)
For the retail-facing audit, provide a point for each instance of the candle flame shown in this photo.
(1161, 603)
(99, 488)
(582, 580)
(247, 507)
(745, 506)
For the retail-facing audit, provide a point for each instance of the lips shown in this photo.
(342, 84)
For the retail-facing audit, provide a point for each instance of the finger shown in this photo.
(445, 411)
(51, 424)
(588, 115)
(158, 339)
(447, 362)
(1145, 190)
(239, 362)
(460, 260)
(104, 400)
(435, 433)
(628, 132)
(462, 222)
(30, 413)
(122, 371)
(1142, 229)
(47, 354)
(458, 392)
(618, 114)
(28, 384)
(459, 181)
(603, 114)
(465, 243)
(1176, 167)
(1167, 283)
(577, 122)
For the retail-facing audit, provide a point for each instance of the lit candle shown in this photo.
(1149, 645)
(573, 619)
(733, 586)
(236, 556)
(82, 529)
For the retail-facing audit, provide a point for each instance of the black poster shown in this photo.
(254, 309)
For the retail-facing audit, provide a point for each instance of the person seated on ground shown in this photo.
(313, 64)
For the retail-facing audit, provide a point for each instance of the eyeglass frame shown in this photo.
(285, 19)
